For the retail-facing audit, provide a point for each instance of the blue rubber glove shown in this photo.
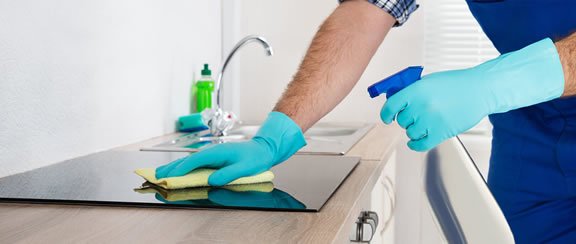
(444, 104)
(276, 140)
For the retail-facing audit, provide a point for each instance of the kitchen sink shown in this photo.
(322, 139)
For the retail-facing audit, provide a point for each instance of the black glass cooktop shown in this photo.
(303, 183)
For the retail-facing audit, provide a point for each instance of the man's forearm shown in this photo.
(567, 51)
(337, 57)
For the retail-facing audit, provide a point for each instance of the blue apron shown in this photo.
(533, 162)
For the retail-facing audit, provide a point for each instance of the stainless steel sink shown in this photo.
(323, 139)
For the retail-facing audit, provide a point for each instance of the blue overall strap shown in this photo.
(533, 162)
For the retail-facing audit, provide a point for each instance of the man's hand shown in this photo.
(444, 104)
(277, 140)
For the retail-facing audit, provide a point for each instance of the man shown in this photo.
(525, 90)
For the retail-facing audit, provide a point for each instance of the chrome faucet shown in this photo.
(218, 120)
(245, 40)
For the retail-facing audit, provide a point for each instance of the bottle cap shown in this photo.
(206, 71)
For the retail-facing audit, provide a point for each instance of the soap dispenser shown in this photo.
(204, 89)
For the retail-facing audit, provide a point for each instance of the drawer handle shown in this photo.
(365, 219)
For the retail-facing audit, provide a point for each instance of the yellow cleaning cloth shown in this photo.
(201, 193)
(198, 178)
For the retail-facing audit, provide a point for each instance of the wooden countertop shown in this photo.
(32, 223)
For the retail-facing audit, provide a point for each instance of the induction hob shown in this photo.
(303, 183)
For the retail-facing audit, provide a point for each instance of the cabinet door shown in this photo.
(380, 202)
(383, 201)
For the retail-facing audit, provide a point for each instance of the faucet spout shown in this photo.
(244, 41)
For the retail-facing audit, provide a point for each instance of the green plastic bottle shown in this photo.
(204, 89)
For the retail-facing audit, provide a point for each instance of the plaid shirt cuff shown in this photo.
(399, 9)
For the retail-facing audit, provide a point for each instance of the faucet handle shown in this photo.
(219, 121)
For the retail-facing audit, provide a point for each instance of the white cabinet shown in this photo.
(383, 201)
(380, 202)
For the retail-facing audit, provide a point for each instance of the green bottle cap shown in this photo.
(206, 71)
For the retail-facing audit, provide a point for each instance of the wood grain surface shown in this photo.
(30, 223)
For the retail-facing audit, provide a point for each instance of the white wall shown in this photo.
(290, 26)
(80, 76)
